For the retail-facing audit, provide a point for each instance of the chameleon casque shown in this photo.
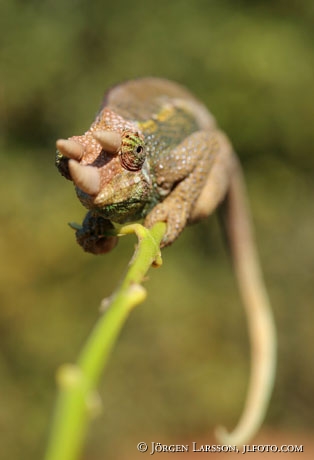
(154, 153)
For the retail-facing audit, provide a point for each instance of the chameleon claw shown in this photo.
(109, 140)
(70, 149)
(75, 226)
(85, 177)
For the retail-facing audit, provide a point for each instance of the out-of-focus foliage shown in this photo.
(181, 365)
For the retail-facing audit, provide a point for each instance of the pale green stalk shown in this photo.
(77, 400)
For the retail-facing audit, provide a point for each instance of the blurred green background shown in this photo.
(182, 362)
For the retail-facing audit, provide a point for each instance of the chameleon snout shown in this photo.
(85, 176)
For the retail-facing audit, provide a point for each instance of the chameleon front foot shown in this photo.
(172, 211)
(96, 234)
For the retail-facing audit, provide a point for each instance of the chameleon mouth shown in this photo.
(119, 190)
(87, 177)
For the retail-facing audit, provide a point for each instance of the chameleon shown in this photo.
(156, 154)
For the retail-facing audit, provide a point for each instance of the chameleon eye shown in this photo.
(132, 154)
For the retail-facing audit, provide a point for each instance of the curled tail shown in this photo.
(258, 311)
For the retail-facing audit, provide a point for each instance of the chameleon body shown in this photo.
(180, 148)
(155, 153)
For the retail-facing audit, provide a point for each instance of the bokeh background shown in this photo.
(181, 365)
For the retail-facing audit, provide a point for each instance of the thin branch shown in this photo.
(77, 400)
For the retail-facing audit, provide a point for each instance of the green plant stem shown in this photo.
(77, 400)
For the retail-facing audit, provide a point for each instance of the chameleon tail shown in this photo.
(259, 315)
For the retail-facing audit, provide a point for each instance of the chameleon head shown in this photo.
(109, 169)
